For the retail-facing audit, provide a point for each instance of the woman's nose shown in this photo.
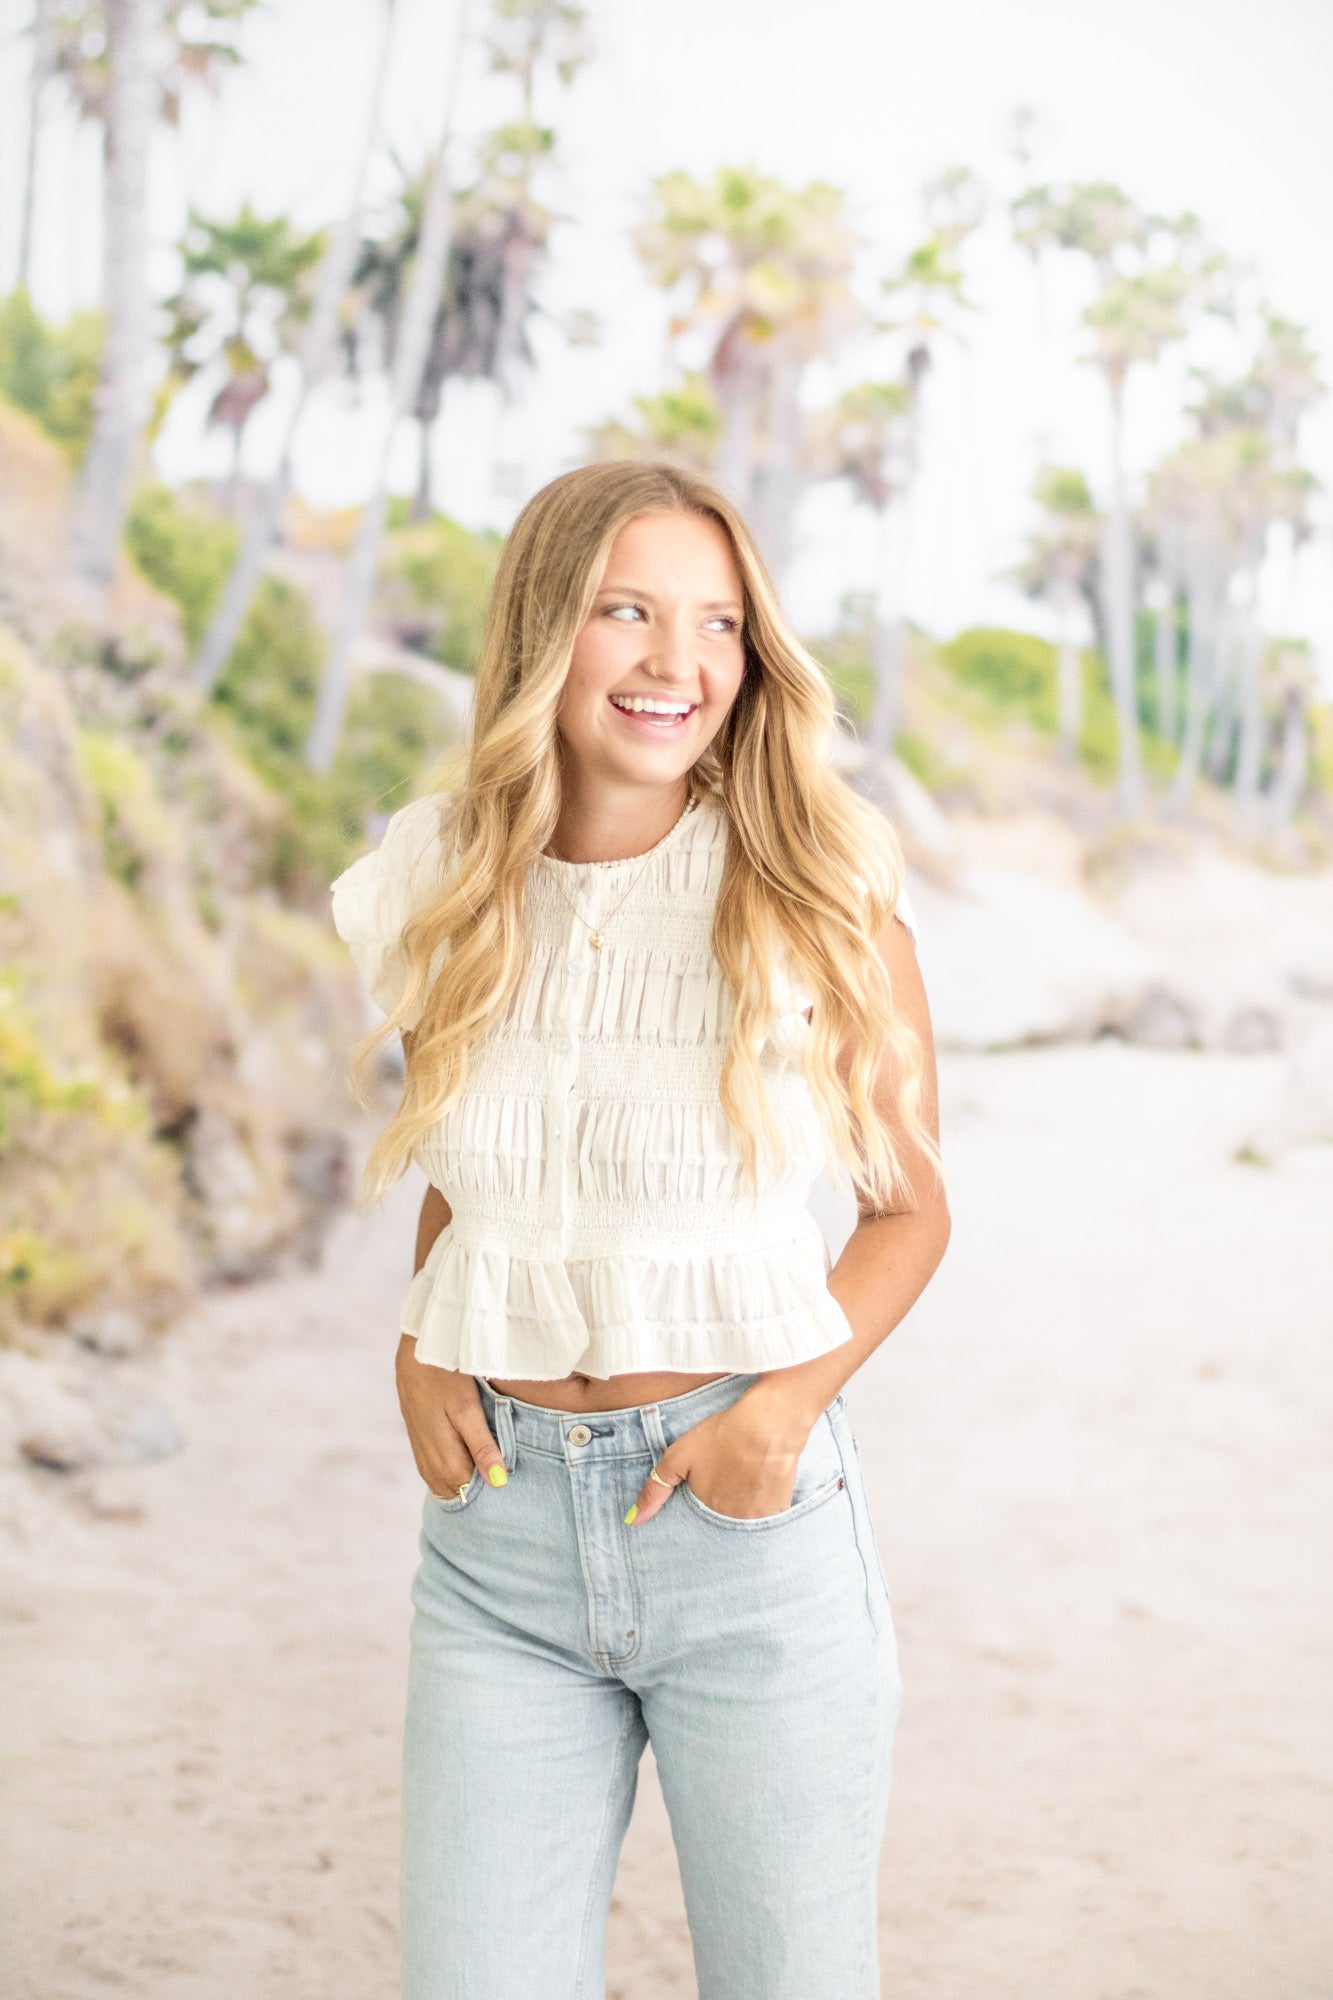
(672, 657)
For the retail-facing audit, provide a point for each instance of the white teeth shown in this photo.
(638, 705)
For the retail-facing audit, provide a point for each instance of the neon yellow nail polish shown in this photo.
(498, 1476)
(632, 1512)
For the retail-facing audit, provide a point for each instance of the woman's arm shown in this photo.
(436, 1215)
(888, 1260)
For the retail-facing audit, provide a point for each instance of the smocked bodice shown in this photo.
(600, 1219)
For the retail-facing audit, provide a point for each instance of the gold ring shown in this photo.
(668, 1483)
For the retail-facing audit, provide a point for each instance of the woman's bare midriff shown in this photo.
(612, 1392)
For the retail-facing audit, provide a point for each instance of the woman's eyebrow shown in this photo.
(632, 590)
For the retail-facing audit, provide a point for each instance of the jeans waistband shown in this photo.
(609, 1433)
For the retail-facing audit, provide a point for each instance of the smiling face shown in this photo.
(660, 658)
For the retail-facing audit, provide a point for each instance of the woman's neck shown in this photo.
(605, 826)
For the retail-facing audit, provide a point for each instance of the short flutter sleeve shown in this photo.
(902, 908)
(373, 898)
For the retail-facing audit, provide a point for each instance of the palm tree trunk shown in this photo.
(234, 476)
(1203, 595)
(1284, 794)
(405, 387)
(1068, 678)
(733, 379)
(887, 636)
(1164, 667)
(1218, 754)
(38, 78)
(334, 276)
(1118, 576)
(777, 480)
(1249, 671)
(121, 400)
(421, 501)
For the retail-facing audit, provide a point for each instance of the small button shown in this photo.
(579, 1434)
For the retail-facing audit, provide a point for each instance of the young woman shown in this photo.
(650, 975)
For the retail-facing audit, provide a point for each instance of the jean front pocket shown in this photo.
(455, 1502)
(819, 1476)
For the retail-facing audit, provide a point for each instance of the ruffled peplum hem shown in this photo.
(486, 1312)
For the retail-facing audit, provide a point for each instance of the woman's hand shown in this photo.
(740, 1461)
(446, 1424)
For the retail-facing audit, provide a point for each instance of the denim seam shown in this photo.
(870, 1849)
(601, 1457)
(602, 1838)
(856, 1527)
(810, 1504)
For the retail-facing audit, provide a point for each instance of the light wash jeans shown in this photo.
(550, 1642)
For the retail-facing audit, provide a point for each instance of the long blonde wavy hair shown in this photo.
(799, 838)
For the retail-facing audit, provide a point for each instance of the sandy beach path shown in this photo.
(1098, 1456)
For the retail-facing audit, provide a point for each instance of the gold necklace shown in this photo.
(595, 938)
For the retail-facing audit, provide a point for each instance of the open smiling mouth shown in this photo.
(652, 715)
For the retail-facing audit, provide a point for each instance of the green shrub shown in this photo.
(42, 1280)
(1013, 672)
(264, 699)
(843, 657)
(270, 684)
(50, 371)
(185, 550)
(135, 826)
(27, 1081)
(444, 572)
(1009, 676)
(1321, 745)
(926, 763)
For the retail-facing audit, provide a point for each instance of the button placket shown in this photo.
(562, 1074)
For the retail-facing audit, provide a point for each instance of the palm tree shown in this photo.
(927, 301)
(1061, 560)
(1224, 490)
(244, 288)
(479, 327)
(1187, 496)
(499, 236)
(762, 273)
(1150, 271)
(127, 63)
(196, 45)
(680, 424)
(121, 399)
(334, 276)
(1161, 562)
(1295, 686)
(40, 72)
(1261, 415)
(404, 387)
(867, 439)
(525, 39)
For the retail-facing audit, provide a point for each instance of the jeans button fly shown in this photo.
(579, 1434)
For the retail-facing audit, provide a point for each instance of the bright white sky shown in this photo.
(1220, 106)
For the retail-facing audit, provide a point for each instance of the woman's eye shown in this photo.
(614, 609)
(731, 624)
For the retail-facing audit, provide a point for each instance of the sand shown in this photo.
(1098, 1455)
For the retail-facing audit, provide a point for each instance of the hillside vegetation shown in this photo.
(173, 1002)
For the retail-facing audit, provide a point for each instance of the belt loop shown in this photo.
(651, 1418)
(504, 1429)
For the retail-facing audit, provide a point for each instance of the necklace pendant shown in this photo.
(595, 940)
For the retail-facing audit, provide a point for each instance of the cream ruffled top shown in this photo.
(599, 1217)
